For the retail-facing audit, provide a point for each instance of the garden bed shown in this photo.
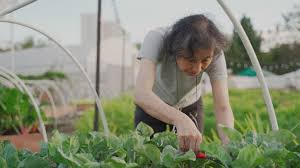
(275, 149)
(25, 141)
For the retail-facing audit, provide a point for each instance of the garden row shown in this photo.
(137, 149)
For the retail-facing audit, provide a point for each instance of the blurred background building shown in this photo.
(41, 59)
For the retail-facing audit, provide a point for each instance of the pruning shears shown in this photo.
(203, 155)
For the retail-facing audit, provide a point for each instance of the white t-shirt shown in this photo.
(171, 84)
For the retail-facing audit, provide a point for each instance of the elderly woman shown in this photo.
(167, 90)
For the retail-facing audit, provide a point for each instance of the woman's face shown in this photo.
(199, 62)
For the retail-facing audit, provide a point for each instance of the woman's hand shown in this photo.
(189, 137)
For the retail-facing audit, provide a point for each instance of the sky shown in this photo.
(61, 18)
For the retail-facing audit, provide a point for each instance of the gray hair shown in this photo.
(191, 33)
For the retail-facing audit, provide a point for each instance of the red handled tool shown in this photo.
(202, 155)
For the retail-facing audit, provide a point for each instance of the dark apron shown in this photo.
(194, 111)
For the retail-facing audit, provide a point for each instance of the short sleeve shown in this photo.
(151, 46)
(217, 70)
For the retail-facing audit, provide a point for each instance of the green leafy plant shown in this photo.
(250, 111)
(96, 150)
(138, 150)
(50, 75)
(17, 114)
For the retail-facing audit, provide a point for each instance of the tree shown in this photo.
(138, 46)
(292, 18)
(237, 52)
(28, 43)
(4, 50)
(287, 57)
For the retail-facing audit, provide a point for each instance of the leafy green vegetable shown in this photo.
(49, 75)
(16, 111)
(138, 150)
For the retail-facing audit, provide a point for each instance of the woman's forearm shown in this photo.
(155, 107)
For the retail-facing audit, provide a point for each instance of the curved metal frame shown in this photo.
(57, 89)
(255, 63)
(12, 80)
(51, 99)
(42, 126)
(51, 84)
(16, 7)
(97, 99)
(241, 33)
(69, 91)
(6, 83)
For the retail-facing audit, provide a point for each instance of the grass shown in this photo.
(250, 110)
(248, 107)
(119, 113)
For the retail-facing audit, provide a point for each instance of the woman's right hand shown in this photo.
(189, 137)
